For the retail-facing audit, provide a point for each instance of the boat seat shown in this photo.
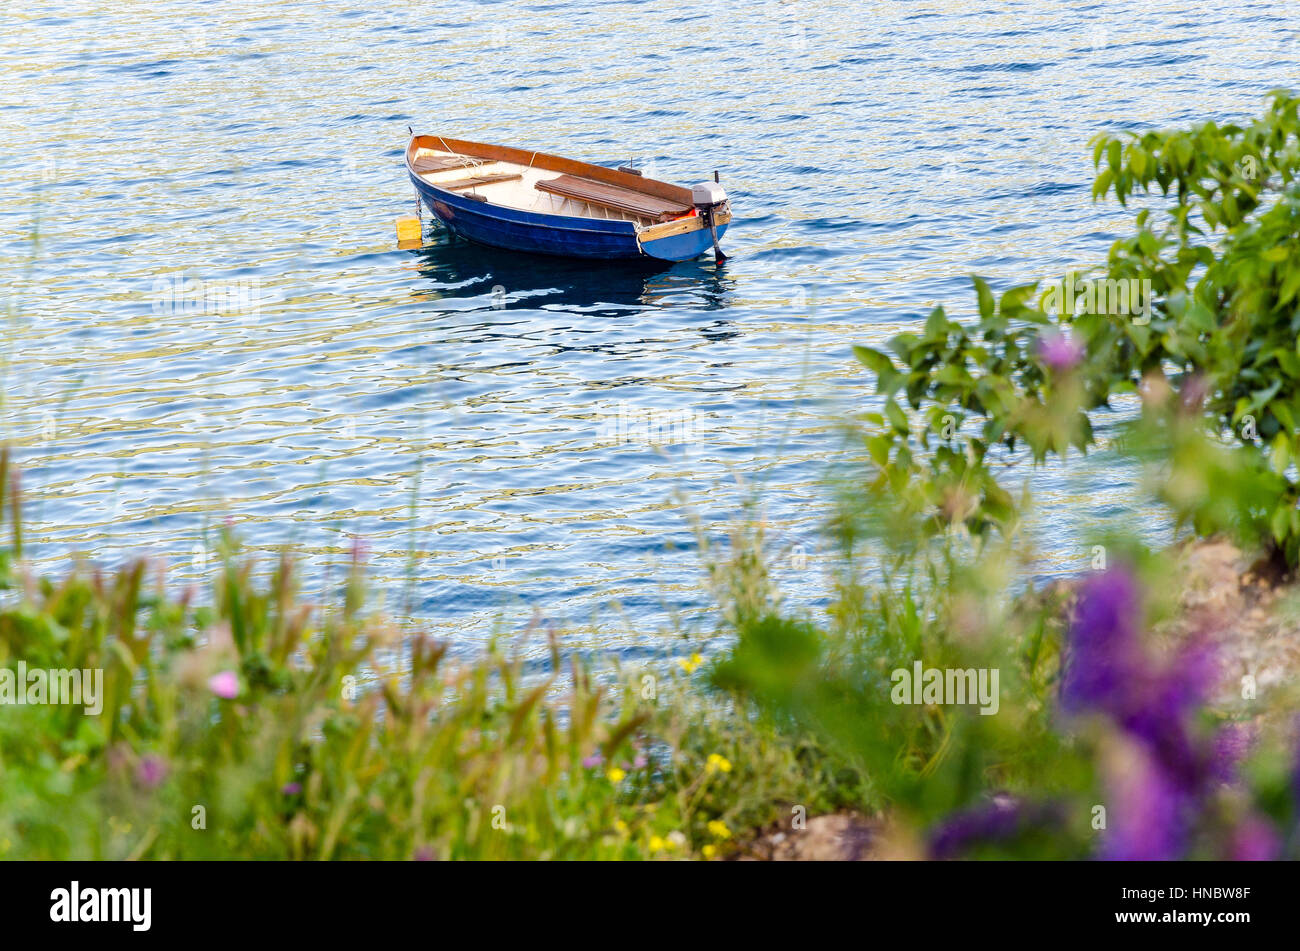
(614, 197)
(426, 164)
(475, 181)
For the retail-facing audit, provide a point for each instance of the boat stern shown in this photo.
(687, 237)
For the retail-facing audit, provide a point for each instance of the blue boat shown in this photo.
(530, 201)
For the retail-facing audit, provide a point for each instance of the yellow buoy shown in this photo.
(409, 232)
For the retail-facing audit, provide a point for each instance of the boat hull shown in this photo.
(515, 230)
(565, 235)
(682, 240)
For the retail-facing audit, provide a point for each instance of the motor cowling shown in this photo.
(710, 199)
(707, 195)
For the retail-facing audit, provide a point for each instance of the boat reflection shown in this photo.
(504, 279)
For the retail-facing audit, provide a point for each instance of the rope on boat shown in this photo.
(470, 161)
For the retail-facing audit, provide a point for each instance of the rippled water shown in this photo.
(457, 409)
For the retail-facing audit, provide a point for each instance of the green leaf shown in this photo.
(953, 375)
(1098, 146)
(936, 325)
(903, 345)
(897, 417)
(1138, 162)
(878, 448)
(1283, 414)
(1013, 301)
(1290, 285)
(985, 296)
(875, 361)
(1103, 183)
(1288, 361)
(1279, 523)
(1280, 454)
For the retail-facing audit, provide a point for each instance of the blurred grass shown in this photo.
(348, 739)
(255, 724)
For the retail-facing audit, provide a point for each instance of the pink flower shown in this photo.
(151, 771)
(225, 685)
(291, 789)
(592, 761)
(1060, 351)
(1194, 392)
(118, 757)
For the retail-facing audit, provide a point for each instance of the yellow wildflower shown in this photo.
(691, 663)
(718, 829)
(656, 844)
(718, 763)
(616, 775)
(710, 851)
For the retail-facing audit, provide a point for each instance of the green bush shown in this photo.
(1196, 310)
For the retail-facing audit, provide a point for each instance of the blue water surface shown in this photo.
(208, 317)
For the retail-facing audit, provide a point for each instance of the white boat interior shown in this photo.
(529, 188)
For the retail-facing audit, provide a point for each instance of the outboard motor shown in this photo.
(708, 197)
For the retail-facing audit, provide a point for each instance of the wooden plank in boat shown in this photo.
(549, 163)
(613, 196)
(440, 163)
(475, 181)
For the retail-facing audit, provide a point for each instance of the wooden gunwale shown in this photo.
(549, 163)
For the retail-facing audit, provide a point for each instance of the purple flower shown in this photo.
(225, 685)
(424, 854)
(1231, 744)
(291, 789)
(1196, 669)
(151, 771)
(1103, 656)
(1108, 671)
(1160, 709)
(999, 821)
(1254, 840)
(1060, 351)
(593, 761)
(1295, 766)
(1147, 814)
(1167, 770)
